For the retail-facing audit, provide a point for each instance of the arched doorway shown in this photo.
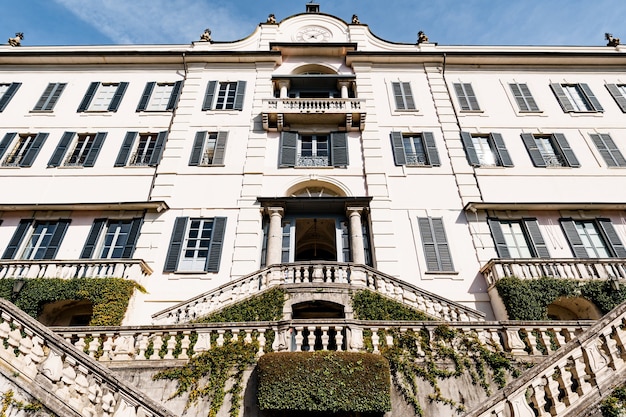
(66, 313)
(573, 308)
(317, 309)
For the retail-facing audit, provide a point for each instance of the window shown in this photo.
(159, 96)
(435, 244)
(523, 97)
(403, 96)
(112, 239)
(550, 150)
(44, 239)
(50, 96)
(576, 98)
(518, 238)
(7, 91)
(83, 149)
(607, 148)
(24, 151)
(196, 245)
(224, 95)
(466, 96)
(593, 238)
(415, 149)
(141, 149)
(103, 97)
(208, 149)
(618, 91)
(486, 150)
(313, 150)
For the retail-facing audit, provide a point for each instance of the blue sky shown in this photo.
(448, 22)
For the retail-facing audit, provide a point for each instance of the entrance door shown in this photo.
(315, 238)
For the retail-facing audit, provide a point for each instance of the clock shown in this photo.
(313, 34)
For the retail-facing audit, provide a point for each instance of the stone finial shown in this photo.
(17, 40)
(271, 19)
(421, 37)
(206, 36)
(611, 40)
(355, 20)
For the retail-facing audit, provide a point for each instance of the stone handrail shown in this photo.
(356, 276)
(570, 380)
(72, 383)
(573, 268)
(133, 269)
(313, 105)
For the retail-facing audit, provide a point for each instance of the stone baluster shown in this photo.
(339, 338)
(552, 391)
(170, 346)
(142, 346)
(94, 345)
(80, 343)
(613, 348)
(248, 338)
(566, 381)
(311, 338)
(318, 274)
(375, 339)
(299, 338)
(579, 371)
(559, 336)
(546, 339)
(184, 345)
(107, 347)
(538, 396)
(157, 344)
(262, 340)
(325, 337)
(532, 341)
(220, 337)
(203, 343)
(620, 336)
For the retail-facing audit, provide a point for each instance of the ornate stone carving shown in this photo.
(17, 40)
(421, 37)
(271, 19)
(355, 20)
(206, 36)
(611, 41)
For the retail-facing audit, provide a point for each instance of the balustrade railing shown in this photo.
(133, 269)
(313, 105)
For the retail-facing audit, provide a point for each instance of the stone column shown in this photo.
(356, 235)
(343, 86)
(284, 86)
(275, 236)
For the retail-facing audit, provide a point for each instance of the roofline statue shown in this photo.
(611, 40)
(17, 40)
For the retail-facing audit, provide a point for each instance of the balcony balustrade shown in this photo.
(133, 269)
(280, 111)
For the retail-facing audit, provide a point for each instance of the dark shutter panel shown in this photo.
(561, 97)
(611, 235)
(428, 243)
(90, 160)
(498, 238)
(541, 250)
(470, 151)
(44, 97)
(615, 92)
(431, 148)
(92, 238)
(460, 94)
(122, 157)
(176, 244)
(133, 234)
(573, 238)
(533, 151)
(56, 93)
(6, 141)
(155, 158)
(399, 156)
(209, 95)
(145, 97)
(15, 242)
(443, 250)
(220, 148)
(117, 97)
(55, 240)
(603, 149)
(532, 105)
(615, 152)
(519, 97)
(567, 152)
(91, 91)
(471, 97)
(503, 153)
(198, 146)
(59, 152)
(339, 152)
(288, 149)
(171, 104)
(591, 97)
(217, 241)
(408, 96)
(397, 93)
(33, 150)
(4, 100)
(239, 95)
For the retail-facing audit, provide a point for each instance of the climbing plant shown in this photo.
(8, 400)
(615, 404)
(267, 306)
(368, 305)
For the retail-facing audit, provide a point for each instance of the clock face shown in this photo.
(313, 34)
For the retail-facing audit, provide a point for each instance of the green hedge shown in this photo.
(324, 381)
(264, 307)
(368, 305)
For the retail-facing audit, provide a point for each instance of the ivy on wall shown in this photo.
(264, 307)
(528, 299)
(615, 404)
(8, 400)
(368, 305)
(108, 296)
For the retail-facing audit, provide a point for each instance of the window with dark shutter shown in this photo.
(208, 148)
(593, 238)
(92, 238)
(550, 150)
(16, 241)
(339, 153)
(6, 141)
(415, 149)
(467, 98)
(576, 97)
(122, 156)
(288, 149)
(33, 150)
(523, 97)
(8, 95)
(196, 245)
(435, 244)
(608, 149)
(59, 152)
(403, 96)
(618, 92)
(50, 97)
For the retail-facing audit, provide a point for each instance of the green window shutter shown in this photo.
(399, 156)
(159, 146)
(615, 92)
(608, 149)
(220, 148)
(59, 152)
(533, 151)
(176, 244)
(91, 91)
(339, 152)
(288, 149)
(92, 238)
(470, 151)
(122, 156)
(145, 97)
(98, 141)
(498, 238)
(198, 146)
(33, 151)
(534, 233)
(431, 149)
(171, 104)
(611, 236)
(16, 240)
(117, 97)
(566, 105)
(591, 97)
(239, 95)
(566, 150)
(435, 244)
(8, 95)
(573, 238)
(209, 95)
(6, 141)
(131, 240)
(215, 247)
(500, 148)
(57, 237)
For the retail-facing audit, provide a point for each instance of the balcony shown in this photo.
(132, 269)
(572, 268)
(347, 113)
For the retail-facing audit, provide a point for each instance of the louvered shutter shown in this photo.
(533, 151)
(59, 152)
(498, 238)
(566, 105)
(55, 240)
(339, 152)
(471, 97)
(215, 247)
(131, 240)
(615, 92)
(431, 149)
(519, 97)
(534, 233)
(399, 156)
(608, 149)
(159, 146)
(92, 238)
(613, 239)
(8, 95)
(171, 104)
(435, 244)
(408, 96)
(198, 146)
(500, 148)
(6, 141)
(91, 91)
(122, 156)
(56, 93)
(44, 97)
(399, 96)
(220, 148)
(176, 244)
(117, 97)
(288, 149)
(470, 151)
(33, 150)
(209, 95)
(90, 159)
(591, 97)
(145, 97)
(575, 242)
(460, 94)
(16, 240)
(239, 95)
(566, 150)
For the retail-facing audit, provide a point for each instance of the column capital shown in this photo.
(275, 210)
(355, 210)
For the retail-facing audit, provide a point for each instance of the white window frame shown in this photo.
(577, 98)
(143, 148)
(485, 151)
(411, 153)
(37, 242)
(82, 144)
(592, 239)
(197, 262)
(103, 97)
(226, 94)
(114, 228)
(160, 97)
(24, 142)
(552, 156)
(317, 157)
(4, 87)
